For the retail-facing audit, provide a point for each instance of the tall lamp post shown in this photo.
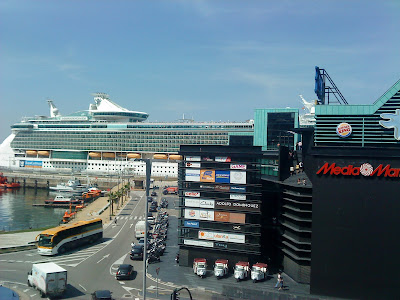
(148, 175)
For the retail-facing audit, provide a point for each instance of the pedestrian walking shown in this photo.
(278, 279)
(301, 166)
(280, 283)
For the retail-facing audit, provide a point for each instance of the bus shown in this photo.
(68, 236)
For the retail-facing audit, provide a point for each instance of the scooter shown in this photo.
(177, 258)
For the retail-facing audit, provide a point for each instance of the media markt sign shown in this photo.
(365, 169)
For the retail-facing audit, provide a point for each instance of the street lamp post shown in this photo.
(148, 175)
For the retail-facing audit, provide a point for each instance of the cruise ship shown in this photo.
(108, 139)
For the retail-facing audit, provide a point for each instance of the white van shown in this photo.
(140, 229)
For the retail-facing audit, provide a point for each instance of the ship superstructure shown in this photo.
(106, 139)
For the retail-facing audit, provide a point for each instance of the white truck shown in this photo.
(140, 229)
(48, 278)
(221, 268)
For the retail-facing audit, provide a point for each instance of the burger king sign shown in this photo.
(343, 130)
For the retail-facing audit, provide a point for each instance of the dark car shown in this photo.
(154, 194)
(102, 295)
(124, 272)
(136, 252)
(153, 208)
(149, 199)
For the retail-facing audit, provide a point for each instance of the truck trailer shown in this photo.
(48, 278)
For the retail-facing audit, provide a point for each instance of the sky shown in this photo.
(207, 60)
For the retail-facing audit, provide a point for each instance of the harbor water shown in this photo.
(18, 213)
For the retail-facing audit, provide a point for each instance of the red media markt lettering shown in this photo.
(365, 169)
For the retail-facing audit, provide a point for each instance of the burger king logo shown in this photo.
(343, 130)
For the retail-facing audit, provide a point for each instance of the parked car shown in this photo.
(136, 252)
(125, 271)
(154, 194)
(151, 220)
(149, 199)
(102, 295)
(153, 208)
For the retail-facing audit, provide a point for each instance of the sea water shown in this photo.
(18, 213)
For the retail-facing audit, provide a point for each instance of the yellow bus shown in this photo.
(68, 236)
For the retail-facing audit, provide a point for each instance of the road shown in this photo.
(92, 267)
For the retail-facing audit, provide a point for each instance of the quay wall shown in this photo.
(45, 180)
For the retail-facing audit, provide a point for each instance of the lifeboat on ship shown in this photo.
(160, 156)
(31, 152)
(175, 157)
(108, 155)
(133, 155)
(94, 154)
(44, 153)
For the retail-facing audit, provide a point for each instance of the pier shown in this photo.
(55, 205)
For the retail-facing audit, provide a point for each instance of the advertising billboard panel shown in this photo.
(192, 175)
(206, 215)
(192, 202)
(238, 177)
(240, 189)
(221, 216)
(237, 196)
(193, 165)
(241, 206)
(192, 213)
(198, 243)
(222, 188)
(223, 159)
(207, 203)
(207, 175)
(222, 176)
(199, 214)
(30, 164)
(202, 203)
(194, 224)
(192, 194)
(192, 158)
(237, 218)
(221, 236)
(238, 167)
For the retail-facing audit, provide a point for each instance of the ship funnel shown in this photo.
(53, 109)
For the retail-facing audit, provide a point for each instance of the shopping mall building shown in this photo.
(326, 212)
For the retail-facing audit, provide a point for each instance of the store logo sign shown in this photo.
(344, 130)
(194, 224)
(365, 169)
(393, 121)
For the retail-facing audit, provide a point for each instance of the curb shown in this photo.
(17, 248)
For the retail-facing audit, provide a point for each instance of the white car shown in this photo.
(151, 220)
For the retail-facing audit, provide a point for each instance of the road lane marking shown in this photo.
(26, 290)
(105, 256)
(82, 287)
